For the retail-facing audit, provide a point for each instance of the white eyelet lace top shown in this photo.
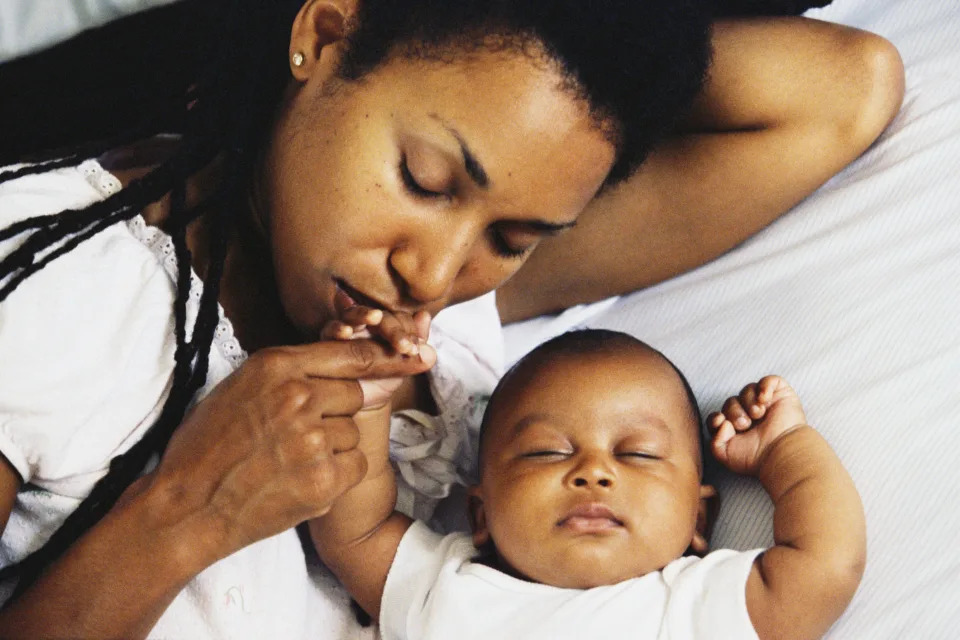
(86, 355)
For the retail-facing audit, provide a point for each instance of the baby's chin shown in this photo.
(578, 575)
(593, 578)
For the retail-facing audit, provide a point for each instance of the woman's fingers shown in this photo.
(334, 478)
(354, 359)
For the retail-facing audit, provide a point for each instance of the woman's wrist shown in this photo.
(119, 577)
(190, 539)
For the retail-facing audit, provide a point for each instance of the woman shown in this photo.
(406, 155)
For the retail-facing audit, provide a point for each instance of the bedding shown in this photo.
(30, 25)
(854, 297)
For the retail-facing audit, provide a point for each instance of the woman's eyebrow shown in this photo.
(479, 175)
(470, 163)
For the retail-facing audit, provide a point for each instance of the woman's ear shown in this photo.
(319, 23)
(477, 516)
(706, 516)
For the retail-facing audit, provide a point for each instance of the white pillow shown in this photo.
(854, 296)
(30, 25)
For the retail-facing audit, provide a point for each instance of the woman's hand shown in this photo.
(275, 443)
(402, 332)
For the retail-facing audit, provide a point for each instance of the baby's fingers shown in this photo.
(400, 331)
(422, 320)
(751, 402)
(336, 330)
(359, 316)
(724, 432)
(734, 412)
(767, 386)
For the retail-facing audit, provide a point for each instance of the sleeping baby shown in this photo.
(590, 517)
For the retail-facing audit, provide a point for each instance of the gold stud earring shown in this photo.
(297, 59)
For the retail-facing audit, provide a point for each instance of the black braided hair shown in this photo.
(637, 65)
(221, 115)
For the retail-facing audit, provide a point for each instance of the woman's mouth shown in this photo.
(351, 296)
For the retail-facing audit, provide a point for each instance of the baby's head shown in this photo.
(590, 464)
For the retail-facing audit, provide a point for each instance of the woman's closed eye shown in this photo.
(504, 248)
(413, 186)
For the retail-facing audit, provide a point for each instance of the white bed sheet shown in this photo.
(854, 296)
(30, 25)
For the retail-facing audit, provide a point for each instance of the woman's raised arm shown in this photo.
(789, 102)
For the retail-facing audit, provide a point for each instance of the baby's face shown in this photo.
(591, 470)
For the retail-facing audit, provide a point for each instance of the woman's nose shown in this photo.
(429, 263)
(592, 471)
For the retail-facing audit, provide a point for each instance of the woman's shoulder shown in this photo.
(114, 268)
(85, 342)
(53, 191)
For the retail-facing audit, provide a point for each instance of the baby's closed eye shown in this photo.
(639, 455)
(546, 454)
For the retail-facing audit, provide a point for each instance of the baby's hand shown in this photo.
(752, 421)
(406, 334)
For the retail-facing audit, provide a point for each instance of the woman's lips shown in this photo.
(351, 296)
(590, 518)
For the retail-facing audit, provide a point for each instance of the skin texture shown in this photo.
(328, 210)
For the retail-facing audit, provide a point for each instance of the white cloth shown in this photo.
(29, 25)
(86, 353)
(433, 454)
(435, 592)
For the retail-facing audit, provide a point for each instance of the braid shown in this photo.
(230, 105)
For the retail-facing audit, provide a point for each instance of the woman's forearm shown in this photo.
(789, 102)
(119, 578)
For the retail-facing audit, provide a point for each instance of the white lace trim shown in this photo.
(161, 245)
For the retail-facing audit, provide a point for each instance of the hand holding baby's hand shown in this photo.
(406, 334)
(752, 421)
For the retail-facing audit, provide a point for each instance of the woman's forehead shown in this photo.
(526, 131)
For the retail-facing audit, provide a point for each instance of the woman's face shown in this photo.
(424, 183)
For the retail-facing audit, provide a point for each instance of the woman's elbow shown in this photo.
(879, 87)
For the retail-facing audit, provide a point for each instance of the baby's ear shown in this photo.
(477, 516)
(706, 516)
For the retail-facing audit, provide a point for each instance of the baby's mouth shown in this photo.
(590, 518)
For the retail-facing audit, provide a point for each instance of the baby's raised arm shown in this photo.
(358, 538)
(799, 587)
